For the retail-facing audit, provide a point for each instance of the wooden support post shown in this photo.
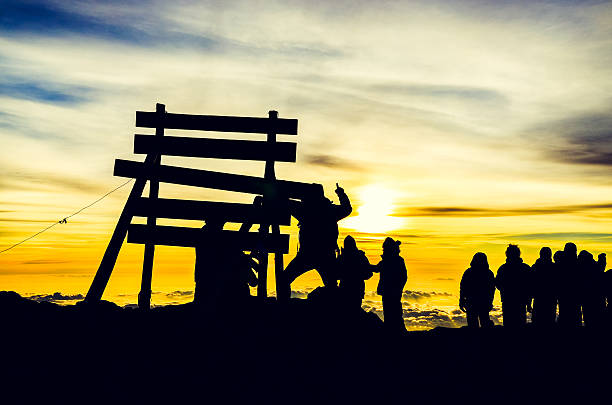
(144, 297)
(262, 279)
(107, 264)
(278, 257)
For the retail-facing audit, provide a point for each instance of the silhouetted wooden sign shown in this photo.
(217, 123)
(215, 180)
(272, 212)
(192, 237)
(215, 148)
(200, 210)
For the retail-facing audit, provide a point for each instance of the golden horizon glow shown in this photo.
(377, 203)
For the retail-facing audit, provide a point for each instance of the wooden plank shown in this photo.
(215, 148)
(218, 123)
(200, 210)
(192, 237)
(216, 180)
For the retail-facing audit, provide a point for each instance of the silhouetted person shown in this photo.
(393, 277)
(607, 288)
(592, 298)
(223, 273)
(569, 288)
(353, 269)
(234, 277)
(318, 222)
(476, 292)
(512, 280)
(209, 260)
(544, 289)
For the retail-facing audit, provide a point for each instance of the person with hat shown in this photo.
(393, 277)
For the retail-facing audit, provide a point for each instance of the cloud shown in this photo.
(331, 162)
(497, 212)
(420, 295)
(57, 296)
(303, 293)
(563, 236)
(179, 293)
(55, 18)
(584, 139)
(45, 261)
(29, 179)
(42, 91)
(438, 91)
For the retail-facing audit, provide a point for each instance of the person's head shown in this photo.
(546, 254)
(479, 261)
(391, 247)
(349, 243)
(585, 256)
(513, 252)
(558, 257)
(315, 196)
(570, 250)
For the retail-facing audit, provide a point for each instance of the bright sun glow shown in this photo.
(376, 204)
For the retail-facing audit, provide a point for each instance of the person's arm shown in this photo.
(376, 267)
(246, 226)
(499, 279)
(345, 208)
(601, 262)
(462, 298)
(529, 288)
(491, 290)
(366, 267)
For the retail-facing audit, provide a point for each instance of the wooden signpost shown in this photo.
(272, 213)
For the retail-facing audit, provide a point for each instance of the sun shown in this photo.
(376, 204)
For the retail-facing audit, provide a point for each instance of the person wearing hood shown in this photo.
(544, 289)
(512, 281)
(353, 269)
(477, 290)
(592, 299)
(570, 314)
(393, 277)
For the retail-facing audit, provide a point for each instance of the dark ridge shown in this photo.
(302, 351)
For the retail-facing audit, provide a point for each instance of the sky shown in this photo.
(455, 127)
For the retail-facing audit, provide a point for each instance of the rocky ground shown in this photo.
(303, 351)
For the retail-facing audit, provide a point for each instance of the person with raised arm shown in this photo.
(318, 237)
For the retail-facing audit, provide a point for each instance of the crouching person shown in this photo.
(477, 290)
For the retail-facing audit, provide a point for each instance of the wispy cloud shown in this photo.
(497, 212)
(332, 162)
(56, 297)
(564, 236)
(582, 139)
(44, 92)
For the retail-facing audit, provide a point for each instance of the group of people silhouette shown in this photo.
(574, 285)
(223, 273)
